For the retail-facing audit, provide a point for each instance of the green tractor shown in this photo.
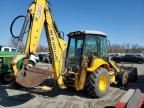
(5, 67)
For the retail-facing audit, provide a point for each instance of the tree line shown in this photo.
(127, 48)
(115, 48)
(13, 43)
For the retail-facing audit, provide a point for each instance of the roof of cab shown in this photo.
(88, 32)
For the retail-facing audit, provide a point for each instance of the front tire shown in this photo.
(122, 78)
(98, 83)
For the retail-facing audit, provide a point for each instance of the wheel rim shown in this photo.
(103, 83)
(125, 80)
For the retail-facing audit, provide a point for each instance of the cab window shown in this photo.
(6, 49)
(91, 45)
(104, 52)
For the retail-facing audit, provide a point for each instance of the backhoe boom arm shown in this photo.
(40, 15)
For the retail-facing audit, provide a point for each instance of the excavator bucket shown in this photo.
(32, 76)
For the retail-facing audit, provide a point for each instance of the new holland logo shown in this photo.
(53, 45)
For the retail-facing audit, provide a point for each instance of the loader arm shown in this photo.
(40, 15)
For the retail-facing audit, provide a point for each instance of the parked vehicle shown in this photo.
(134, 58)
(47, 58)
(114, 54)
(44, 57)
(8, 49)
(5, 67)
(117, 59)
(6, 55)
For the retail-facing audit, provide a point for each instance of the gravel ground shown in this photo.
(23, 98)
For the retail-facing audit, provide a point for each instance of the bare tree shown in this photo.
(13, 43)
(115, 48)
(42, 48)
(127, 48)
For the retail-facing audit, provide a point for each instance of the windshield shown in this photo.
(75, 50)
(96, 45)
(91, 45)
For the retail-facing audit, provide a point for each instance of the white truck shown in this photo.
(7, 49)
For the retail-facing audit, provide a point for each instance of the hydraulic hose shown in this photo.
(12, 24)
(27, 18)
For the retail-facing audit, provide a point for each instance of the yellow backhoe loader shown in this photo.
(83, 63)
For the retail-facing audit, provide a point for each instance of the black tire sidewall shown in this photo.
(96, 92)
(3, 77)
(120, 78)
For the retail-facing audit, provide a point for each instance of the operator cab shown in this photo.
(86, 43)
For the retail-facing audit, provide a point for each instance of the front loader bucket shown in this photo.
(32, 76)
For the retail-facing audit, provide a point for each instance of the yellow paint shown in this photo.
(57, 47)
(32, 11)
(96, 63)
(112, 76)
(80, 80)
(113, 80)
(114, 66)
(41, 16)
(15, 70)
(103, 83)
(19, 57)
(46, 88)
(13, 63)
(82, 77)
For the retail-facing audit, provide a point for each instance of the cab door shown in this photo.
(104, 48)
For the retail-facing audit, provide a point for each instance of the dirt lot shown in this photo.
(23, 98)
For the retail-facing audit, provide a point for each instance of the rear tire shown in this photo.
(95, 81)
(6, 78)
